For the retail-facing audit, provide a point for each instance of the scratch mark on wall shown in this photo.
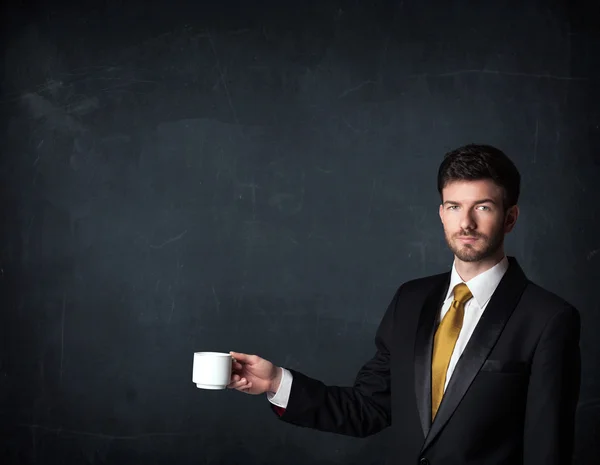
(371, 200)
(168, 241)
(131, 437)
(217, 301)
(535, 143)
(62, 336)
(503, 73)
(358, 87)
(172, 308)
(222, 77)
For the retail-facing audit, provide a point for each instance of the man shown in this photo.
(474, 366)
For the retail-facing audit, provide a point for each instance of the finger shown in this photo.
(246, 388)
(239, 357)
(237, 382)
(237, 366)
(241, 384)
(245, 358)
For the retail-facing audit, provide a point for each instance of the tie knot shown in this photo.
(462, 293)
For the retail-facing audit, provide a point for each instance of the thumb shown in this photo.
(241, 357)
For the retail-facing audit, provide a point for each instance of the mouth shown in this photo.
(467, 239)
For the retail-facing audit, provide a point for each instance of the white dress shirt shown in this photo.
(481, 286)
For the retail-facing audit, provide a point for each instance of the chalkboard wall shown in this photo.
(261, 177)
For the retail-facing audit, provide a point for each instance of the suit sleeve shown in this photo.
(359, 410)
(554, 392)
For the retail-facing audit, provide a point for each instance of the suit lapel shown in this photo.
(424, 349)
(484, 337)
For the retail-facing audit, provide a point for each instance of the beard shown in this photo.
(485, 247)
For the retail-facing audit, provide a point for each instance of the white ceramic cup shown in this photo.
(211, 370)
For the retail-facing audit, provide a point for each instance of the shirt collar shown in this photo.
(483, 285)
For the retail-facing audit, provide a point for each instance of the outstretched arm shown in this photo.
(359, 410)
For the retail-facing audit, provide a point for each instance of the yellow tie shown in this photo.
(443, 346)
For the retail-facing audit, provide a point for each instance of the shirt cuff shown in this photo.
(281, 397)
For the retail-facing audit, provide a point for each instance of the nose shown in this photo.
(467, 221)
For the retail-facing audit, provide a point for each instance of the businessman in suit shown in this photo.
(477, 365)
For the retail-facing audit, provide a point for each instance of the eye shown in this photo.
(484, 207)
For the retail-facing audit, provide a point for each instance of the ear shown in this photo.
(511, 218)
(441, 213)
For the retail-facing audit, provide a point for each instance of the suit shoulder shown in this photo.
(547, 301)
(423, 284)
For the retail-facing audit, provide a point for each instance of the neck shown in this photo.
(468, 270)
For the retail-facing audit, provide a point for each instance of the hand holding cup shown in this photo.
(253, 375)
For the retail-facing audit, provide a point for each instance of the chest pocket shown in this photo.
(506, 366)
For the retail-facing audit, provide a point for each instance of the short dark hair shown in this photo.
(473, 162)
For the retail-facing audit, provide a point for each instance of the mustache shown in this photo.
(468, 234)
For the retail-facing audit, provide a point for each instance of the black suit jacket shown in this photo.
(511, 399)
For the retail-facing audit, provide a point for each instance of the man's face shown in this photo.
(474, 219)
